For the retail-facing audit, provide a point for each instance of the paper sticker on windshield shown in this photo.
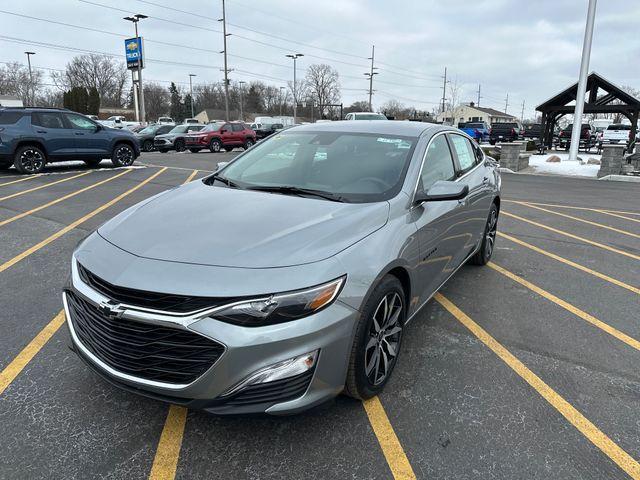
(400, 143)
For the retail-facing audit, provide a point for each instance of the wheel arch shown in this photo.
(34, 143)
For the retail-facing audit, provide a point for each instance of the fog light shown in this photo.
(285, 369)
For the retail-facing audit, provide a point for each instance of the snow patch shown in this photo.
(539, 164)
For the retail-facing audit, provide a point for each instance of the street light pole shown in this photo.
(226, 69)
(30, 93)
(135, 19)
(295, 56)
(370, 75)
(191, 75)
(241, 82)
(582, 81)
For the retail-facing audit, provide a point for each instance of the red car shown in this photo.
(221, 135)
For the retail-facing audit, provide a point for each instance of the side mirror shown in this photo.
(223, 130)
(443, 190)
(221, 165)
(98, 127)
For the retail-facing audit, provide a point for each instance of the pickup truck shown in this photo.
(587, 137)
(504, 132)
(616, 133)
(479, 131)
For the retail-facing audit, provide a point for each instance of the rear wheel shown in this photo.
(215, 145)
(180, 147)
(376, 345)
(248, 143)
(147, 146)
(483, 255)
(123, 155)
(29, 159)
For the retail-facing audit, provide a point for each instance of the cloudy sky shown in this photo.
(528, 49)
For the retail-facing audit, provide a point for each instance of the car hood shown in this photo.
(170, 136)
(219, 226)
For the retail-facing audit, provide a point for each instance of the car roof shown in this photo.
(381, 127)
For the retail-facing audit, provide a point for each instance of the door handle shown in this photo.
(41, 131)
(485, 180)
(79, 133)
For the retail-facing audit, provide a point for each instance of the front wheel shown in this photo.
(123, 155)
(483, 255)
(147, 146)
(215, 145)
(29, 159)
(248, 143)
(376, 345)
(180, 147)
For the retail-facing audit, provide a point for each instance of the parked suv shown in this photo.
(147, 135)
(174, 139)
(221, 135)
(504, 132)
(33, 137)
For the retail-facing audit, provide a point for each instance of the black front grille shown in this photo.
(158, 301)
(272, 392)
(144, 350)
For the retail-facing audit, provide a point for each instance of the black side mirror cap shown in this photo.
(442, 191)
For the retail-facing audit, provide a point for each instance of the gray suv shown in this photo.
(288, 276)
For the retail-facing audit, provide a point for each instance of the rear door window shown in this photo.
(9, 118)
(438, 163)
(237, 127)
(464, 152)
(47, 120)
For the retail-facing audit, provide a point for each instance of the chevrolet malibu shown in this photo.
(289, 275)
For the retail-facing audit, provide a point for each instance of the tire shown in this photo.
(93, 162)
(248, 143)
(483, 255)
(228, 149)
(147, 145)
(180, 147)
(123, 155)
(29, 159)
(364, 380)
(215, 145)
(194, 150)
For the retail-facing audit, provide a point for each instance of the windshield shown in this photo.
(357, 167)
(150, 129)
(212, 127)
(179, 129)
(369, 116)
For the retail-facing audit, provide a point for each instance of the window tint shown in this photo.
(438, 163)
(164, 129)
(78, 122)
(47, 120)
(464, 151)
(195, 128)
(237, 127)
(9, 118)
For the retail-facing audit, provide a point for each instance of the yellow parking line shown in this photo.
(12, 370)
(601, 210)
(61, 199)
(571, 235)
(623, 337)
(190, 177)
(588, 270)
(625, 461)
(578, 219)
(165, 462)
(71, 226)
(40, 187)
(30, 177)
(391, 447)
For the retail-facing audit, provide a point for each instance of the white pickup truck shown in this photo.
(616, 133)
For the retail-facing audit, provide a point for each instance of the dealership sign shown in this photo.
(133, 52)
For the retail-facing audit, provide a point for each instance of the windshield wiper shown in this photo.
(290, 190)
(224, 180)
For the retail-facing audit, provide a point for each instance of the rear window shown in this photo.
(9, 118)
(619, 127)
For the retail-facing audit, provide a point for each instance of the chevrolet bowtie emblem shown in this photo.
(111, 309)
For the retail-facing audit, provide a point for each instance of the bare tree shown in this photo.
(454, 93)
(15, 80)
(393, 108)
(156, 100)
(108, 75)
(359, 106)
(323, 84)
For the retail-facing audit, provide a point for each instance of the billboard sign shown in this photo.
(133, 52)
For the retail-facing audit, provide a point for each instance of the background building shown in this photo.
(470, 113)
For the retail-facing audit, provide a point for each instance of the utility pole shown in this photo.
(191, 75)
(226, 69)
(582, 82)
(506, 103)
(30, 91)
(522, 114)
(135, 19)
(479, 96)
(295, 56)
(241, 82)
(370, 75)
(281, 89)
(444, 88)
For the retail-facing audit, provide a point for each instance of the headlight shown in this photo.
(281, 307)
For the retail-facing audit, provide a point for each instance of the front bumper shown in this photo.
(246, 351)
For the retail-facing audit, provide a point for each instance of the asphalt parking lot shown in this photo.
(526, 368)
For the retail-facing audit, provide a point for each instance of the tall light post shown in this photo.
(582, 82)
(370, 76)
(30, 93)
(135, 19)
(281, 90)
(191, 75)
(241, 82)
(295, 56)
(226, 69)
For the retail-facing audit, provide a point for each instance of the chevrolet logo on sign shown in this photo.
(133, 52)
